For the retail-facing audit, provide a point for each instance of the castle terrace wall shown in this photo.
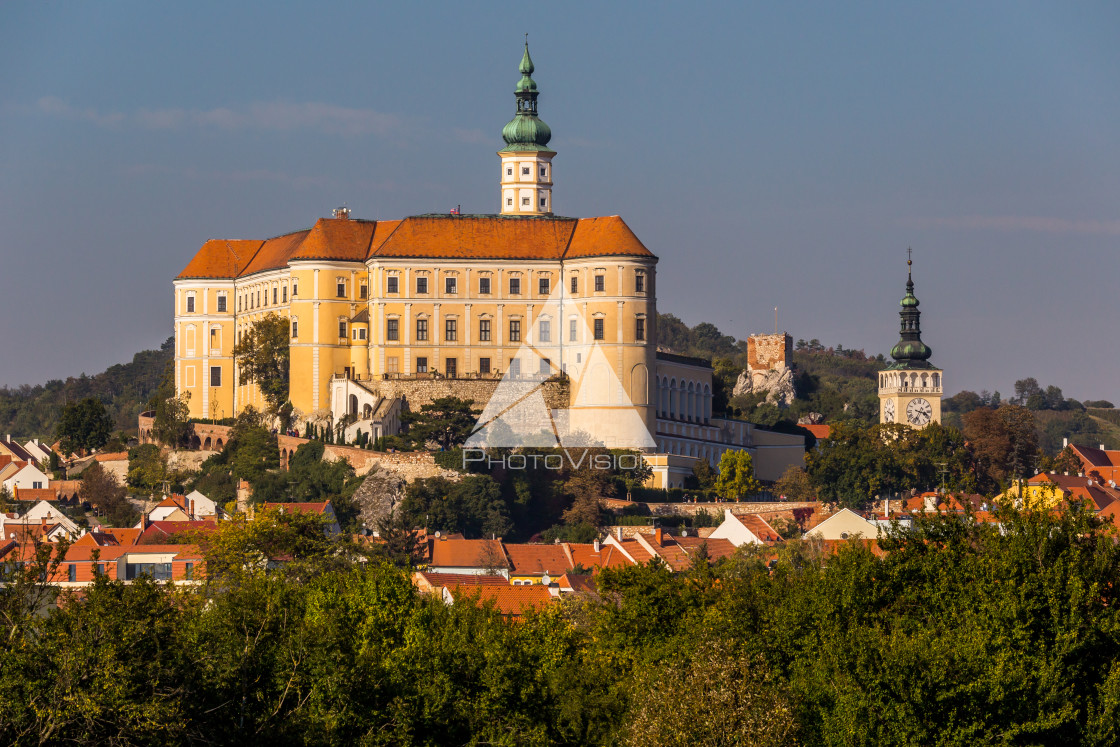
(419, 392)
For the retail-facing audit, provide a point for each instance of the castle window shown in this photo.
(342, 329)
(275, 294)
(363, 291)
(515, 286)
(544, 171)
(509, 171)
(239, 303)
(546, 331)
(421, 330)
(295, 288)
(450, 330)
(600, 283)
(190, 304)
(509, 202)
(421, 365)
(544, 202)
(391, 284)
(515, 330)
(640, 329)
(451, 367)
(360, 333)
(392, 329)
(575, 284)
(258, 298)
(449, 285)
(340, 289)
(221, 304)
(525, 170)
(215, 376)
(640, 282)
(525, 201)
(599, 329)
(484, 286)
(543, 286)
(284, 293)
(392, 364)
(484, 365)
(484, 330)
(545, 367)
(515, 368)
(421, 285)
(295, 328)
(573, 330)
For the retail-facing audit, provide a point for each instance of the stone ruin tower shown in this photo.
(769, 368)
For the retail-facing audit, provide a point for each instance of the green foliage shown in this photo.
(473, 506)
(84, 426)
(101, 490)
(264, 358)
(311, 479)
(446, 422)
(124, 389)
(147, 467)
(172, 423)
(858, 463)
(736, 476)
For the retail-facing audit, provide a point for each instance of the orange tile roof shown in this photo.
(274, 253)
(717, 548)
(34, 494)
(427, 581)
(337, 239)
(464, 553)
(114, 456)
(508, 600)
(538, 559)
(479, 237)
(607, 557)
(123, 535)
(159, 532)
(759, 527)
(220, 258)
(609, 235)
(820, 431)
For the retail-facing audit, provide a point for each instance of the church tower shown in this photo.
(910, 388)
(526, 159)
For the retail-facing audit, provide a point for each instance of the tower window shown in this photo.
(391, 284)
(509, 202)
(525, 170)
(509, 171)
(363, 291)
(599, 333)
(449, 285)
(484, 286)
(190, 304)
(421, 330)
(421, 285)
(543, 202)
(450, 330)
(525, 201)
(484, 330)
(295, 328)
(544, 171)
(640, 329)
(640, 282)
(295, 288)
(600, 282)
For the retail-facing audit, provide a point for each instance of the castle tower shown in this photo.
(910, 388)
(526, 159)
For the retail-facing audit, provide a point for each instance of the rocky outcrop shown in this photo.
(776, 382)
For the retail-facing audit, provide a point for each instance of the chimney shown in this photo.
(143, 522)
(596, 544)
(342, 213)
(618, 533)
(190, 509)
(1065, 442)
(1101, 446)
(887, 507)
(657, 536)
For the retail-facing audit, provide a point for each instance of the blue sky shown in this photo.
(772, 154)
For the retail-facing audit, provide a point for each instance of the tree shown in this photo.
(147, 467)
(84, 426)
(795, 485)
(703, 476)
(171, 421)
(264, 358)
(473, 506)
(101, 490)
(446, 421)
(736, 476)
(1004, 443)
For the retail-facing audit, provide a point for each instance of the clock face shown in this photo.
(918, 412)
(888, 411)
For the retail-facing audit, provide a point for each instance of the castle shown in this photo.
(385, 314)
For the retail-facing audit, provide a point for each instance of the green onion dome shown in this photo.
(526, 131)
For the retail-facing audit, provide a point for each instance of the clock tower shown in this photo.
(910, 387)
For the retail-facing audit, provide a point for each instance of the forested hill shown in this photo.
(32, 411)
(841, 384)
